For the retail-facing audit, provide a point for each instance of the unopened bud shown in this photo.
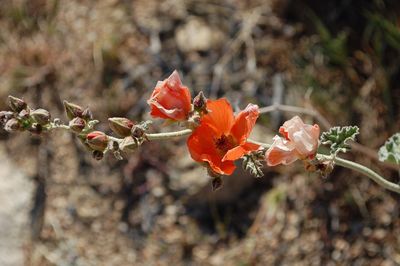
(5, 116)
(97, 140)
(77, 124)
(16, 104)
(41, 116)
(24, 114)
(129, 144)
(98, 155)
(137, 132)
(73, 110)
(12, 125)
(200, 103)
(35, 128)
(121, 126)
(87, 114)
(216, 183)
(115, 146)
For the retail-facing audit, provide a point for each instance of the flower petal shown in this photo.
(239, 151)
(220, 116)
(170, 99)
(202, 148)
(201, 142)
(305, 137)
(281, 152)
(234, 154)
(244, 123)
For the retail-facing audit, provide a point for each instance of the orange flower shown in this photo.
(300, 142)
(170, 99)
(221, 138)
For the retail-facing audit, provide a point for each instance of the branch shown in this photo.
(168, 135)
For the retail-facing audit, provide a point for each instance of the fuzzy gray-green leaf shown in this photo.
(338, 138)
(390, 152)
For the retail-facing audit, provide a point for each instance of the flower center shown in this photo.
(224, 144)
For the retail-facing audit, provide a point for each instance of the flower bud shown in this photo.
(129, 144)
(216, 183)
(97, 140)
(98, 155)
(87, 114)
(120, 126)
(200, 103)
(12, 125)
(73, 110)
(24, 114)
(5, 116)
(137, 132)
(77, 124)
(16, 104)
(35, 128)
(41, 116)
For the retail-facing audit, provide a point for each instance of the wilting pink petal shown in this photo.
(300, 141)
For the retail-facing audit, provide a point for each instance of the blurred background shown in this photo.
(156, 207)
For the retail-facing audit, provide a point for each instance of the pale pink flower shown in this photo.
(300, 141)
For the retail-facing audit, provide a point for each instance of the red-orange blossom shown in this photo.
(221, 138)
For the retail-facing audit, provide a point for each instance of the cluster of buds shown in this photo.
(21, 117)
(82, 123)
(128, 135)
(133, 135)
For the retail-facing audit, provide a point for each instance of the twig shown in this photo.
(247, 26)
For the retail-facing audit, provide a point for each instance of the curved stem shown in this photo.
(353, 166)
(365, 171)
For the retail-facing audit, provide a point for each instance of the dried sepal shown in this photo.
(129, 144)
(322, 167)
(253, 162)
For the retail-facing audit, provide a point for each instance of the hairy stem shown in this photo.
(365, 171)
(168, 135)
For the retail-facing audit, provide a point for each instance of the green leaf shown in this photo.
(390, 152)
(338, 138)
(253, 162)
